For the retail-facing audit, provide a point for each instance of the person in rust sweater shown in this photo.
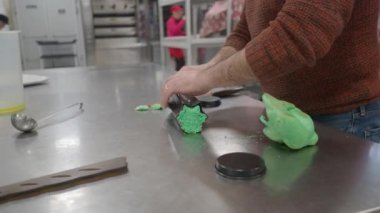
(321, 55)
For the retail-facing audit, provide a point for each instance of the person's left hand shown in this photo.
(187, 81)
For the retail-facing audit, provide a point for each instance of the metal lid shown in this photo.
(209, 101)
(240, 165)
(227, 91)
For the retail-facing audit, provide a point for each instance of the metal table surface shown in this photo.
(169, 171)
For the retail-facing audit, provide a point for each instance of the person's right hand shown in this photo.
(201, 67)
(187, 81)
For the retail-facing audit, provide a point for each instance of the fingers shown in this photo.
(164, 96)
(194, 67)
(167, 91)
(185, 81)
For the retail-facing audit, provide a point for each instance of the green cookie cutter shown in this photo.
(191, 119)
(286, 124)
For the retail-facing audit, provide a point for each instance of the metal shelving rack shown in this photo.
(189, 42)
(120, 31)
(115, 22)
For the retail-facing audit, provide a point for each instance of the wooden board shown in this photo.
(64, 180)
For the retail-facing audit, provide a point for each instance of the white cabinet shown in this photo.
(31, 56)
(2, 9)
(48, 21)
(31, 18)
(62, 17)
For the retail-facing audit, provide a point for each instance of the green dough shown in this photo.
(142, 108)
(287, 124)
(191, 119)
(285, 166)
(156, 106)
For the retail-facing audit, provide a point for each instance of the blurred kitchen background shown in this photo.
(70, 33)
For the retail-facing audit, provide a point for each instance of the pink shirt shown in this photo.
(175, 28)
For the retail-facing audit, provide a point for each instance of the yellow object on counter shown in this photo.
(15, 109)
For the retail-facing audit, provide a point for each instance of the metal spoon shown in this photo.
(25, 123)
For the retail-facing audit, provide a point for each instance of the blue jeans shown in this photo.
(363, 121)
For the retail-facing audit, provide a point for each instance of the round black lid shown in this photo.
(240, 166)
(209, 101)
(227, 91)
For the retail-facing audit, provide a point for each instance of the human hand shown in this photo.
(188, 81)
(200, 67)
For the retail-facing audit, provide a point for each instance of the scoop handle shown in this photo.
(80, 104)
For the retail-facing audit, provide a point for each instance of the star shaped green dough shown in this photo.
(191, 119)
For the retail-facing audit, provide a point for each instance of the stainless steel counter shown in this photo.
(169, 171)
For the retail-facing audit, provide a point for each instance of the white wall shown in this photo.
(5, 9)
(2, 8)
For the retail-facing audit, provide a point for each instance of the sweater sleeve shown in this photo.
(240, 36)
(302, 33)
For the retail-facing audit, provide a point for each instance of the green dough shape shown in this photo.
(142, 108)
(287, 124)
(191, 119)
(156, 107)
(285, 166)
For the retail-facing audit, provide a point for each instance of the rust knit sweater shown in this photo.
(321, 55)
